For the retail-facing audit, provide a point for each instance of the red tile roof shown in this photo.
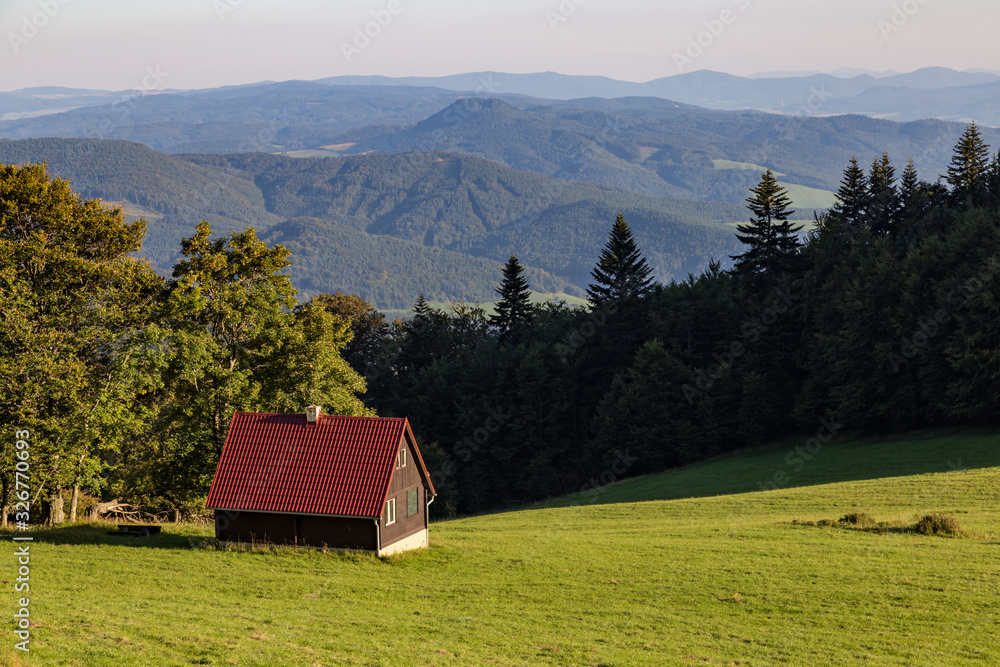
(342, 466)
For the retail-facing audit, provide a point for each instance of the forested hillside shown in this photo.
(886, 319)
(643, 144)
(656, 147)
(438, 224)
(882, 319)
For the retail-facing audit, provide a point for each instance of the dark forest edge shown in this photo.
(882, 319)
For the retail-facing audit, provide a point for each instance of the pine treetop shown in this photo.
(971, 162)
(852, 196)
(621, 272)
(514, 306)
(771, 239)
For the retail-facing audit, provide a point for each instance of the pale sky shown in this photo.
(109, 44)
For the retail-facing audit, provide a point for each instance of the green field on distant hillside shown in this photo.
(490, 306)
(749, 166)
(311, 152)
(806, 197)
(802, 196)
(729, 579)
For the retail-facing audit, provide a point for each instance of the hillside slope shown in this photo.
(459, 216)
(484, 209)
(786, 465)
(660, 148)
(733, 579)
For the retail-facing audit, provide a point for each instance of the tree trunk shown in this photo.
(73, 503)
(56, 513)
(177, 515)
(97, 509)
(5, 490)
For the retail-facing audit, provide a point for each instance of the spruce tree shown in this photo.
(883, 197)
(852, 196)
(622, 272)
(421, 308)
(514, 306)
(772, 241)
(909, 183)
(970, 164)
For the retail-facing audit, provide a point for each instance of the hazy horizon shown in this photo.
(113, 44)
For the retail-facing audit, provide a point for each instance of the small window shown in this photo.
(412, 502)
(401, 458)
(390, 511)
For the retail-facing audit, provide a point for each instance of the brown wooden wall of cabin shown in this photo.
(310, 530)
(403, 480)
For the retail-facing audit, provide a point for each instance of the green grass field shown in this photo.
(703, 569)
(802, 196)
(490, 306)
(750, 166)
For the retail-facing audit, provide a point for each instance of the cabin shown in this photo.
(322, 480)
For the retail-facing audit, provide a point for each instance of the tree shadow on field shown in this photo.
(795, 462)
(98, 534)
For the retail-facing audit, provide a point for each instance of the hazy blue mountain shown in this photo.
(661, 148)
(30, 102)
(258, 117)
(549, 85)
(961, 103)
(715, 90)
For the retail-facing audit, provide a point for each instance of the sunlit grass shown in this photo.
(710, 579)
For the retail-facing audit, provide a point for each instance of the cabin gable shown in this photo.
(325, 481)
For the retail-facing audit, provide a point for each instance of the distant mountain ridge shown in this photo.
(646, 145)
(660, 148)
(779, 92)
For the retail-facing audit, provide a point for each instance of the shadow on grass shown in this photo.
(941, 524)
(797, 462)
(188, 537)
(98, 533)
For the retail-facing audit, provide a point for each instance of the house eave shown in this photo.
(260, 511)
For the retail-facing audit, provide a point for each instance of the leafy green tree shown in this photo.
(970, 163)
(74, 300)
(369, 328)
(771, 240)
(235, 343)
(514, 307)
(622, 273)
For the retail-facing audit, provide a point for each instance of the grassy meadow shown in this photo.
(802, 196)
(694, 566)
(489, 307)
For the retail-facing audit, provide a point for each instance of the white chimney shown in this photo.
(312, 414)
